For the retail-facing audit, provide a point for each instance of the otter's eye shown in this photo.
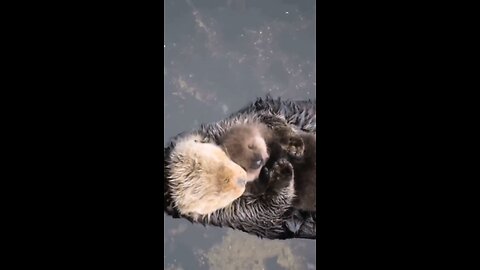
(226, 180)
(250, 146)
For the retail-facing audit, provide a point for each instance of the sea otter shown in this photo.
(251, 145)
(186, 177)
(271, 215)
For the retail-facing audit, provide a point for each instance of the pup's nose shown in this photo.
(257, 162)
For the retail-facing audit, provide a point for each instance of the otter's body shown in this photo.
(271, 214)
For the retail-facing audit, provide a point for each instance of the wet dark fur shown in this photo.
(270, 215)
(298, 148)
(304, 166)
(306, 175)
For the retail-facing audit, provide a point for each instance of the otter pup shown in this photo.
(247, 146)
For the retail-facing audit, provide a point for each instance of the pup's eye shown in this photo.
(251, 146)
(226, 180)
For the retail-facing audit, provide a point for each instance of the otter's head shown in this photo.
(202, 178)
(246, 146)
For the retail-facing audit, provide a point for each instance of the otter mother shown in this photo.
(270, 217)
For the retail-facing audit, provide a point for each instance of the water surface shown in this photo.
(219, 56)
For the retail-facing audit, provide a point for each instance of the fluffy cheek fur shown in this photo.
(203, 179)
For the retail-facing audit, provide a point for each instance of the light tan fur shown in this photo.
(203, 178)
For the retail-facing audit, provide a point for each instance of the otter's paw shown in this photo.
(296, 147)
(281, 173)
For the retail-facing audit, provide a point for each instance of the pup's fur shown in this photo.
(247, 145)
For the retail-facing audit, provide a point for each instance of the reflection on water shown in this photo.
(236, 252)
(219, 56)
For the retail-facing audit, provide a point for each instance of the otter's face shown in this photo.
(203, 178)
(246, 147)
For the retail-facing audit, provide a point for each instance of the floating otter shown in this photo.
(248, 146)
(271, 215)
(248, 212)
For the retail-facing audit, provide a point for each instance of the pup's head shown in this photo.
(202, 178)
(246, 146)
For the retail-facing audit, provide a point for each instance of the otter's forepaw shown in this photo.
(296, 147)
(281, 173)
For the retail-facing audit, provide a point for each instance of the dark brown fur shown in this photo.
(246, 145)
(306, 175)
(302, 155)
(245, 149)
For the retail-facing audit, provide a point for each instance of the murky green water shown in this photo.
(220, 55)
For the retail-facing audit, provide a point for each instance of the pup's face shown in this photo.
(203, 178)
(246, 147)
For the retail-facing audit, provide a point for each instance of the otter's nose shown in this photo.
(257, 162)
(241, 182)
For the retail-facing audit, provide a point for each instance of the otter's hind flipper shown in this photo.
(309, 227)
(302, 224)
(294, 222)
